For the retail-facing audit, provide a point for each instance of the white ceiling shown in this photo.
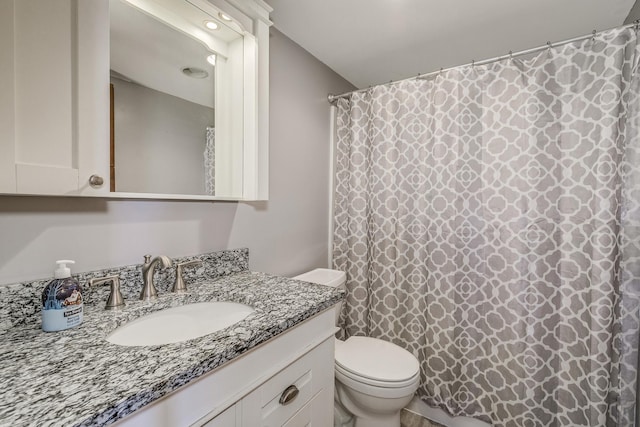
(374, 41)
(152, 52)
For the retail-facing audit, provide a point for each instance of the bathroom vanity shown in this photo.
(275, 367)
(286, 382)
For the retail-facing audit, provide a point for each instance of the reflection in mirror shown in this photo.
(168, 60)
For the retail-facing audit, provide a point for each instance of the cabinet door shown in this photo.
(54, 100)
(226, 419)
(314, 413)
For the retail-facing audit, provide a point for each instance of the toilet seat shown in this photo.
(376, 362)
(376, 383)
(384, 391)
(377, 368)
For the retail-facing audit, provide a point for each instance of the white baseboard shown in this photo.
(417, 406)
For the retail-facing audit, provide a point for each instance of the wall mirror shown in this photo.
(164, 99)
(176, 75)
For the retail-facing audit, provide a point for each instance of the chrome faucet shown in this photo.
(149, 291)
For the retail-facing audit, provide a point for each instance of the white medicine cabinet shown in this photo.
(161, 99)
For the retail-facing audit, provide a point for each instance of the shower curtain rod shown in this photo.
(333, 98)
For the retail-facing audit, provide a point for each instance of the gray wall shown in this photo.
(286, 235)
(634, 14)
(159, 141)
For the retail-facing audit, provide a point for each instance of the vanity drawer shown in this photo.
(299, 375)
(286, 393)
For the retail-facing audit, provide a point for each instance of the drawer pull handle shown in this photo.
(289, 394)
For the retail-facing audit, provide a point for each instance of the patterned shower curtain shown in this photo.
(489, 222)
(210, 161)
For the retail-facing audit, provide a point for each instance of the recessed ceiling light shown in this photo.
(195, 72)
(211, 59)
(225, 17)
(211, 25)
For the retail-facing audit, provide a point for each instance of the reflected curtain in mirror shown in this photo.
(210, 162)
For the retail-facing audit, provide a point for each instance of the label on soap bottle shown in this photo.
(61, 305)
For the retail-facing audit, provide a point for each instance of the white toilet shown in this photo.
(375, 379)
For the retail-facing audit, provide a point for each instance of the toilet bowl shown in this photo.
(375, 379)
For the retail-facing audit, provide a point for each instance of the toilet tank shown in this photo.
(327, 277)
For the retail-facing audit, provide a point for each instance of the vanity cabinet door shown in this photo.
(226, 419)
(53, 92)
(314, 413)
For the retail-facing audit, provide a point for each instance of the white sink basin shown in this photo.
(179, 323)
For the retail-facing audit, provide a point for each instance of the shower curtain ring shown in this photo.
(549, 45)
(511, 55)
(593, 35)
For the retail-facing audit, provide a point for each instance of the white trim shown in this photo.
(332, 163)
(131, 196)
(92, 88)
(255, 9)
(250, 164)
(261, 31)
(417, 406)
(7, 100)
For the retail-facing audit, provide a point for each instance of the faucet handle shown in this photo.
(179, 286)
(115, 300)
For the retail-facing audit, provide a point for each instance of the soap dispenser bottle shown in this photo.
(62, 300)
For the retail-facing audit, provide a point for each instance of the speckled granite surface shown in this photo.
(20, 302)
(76, 378)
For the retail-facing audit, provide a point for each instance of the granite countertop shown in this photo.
(77, 378)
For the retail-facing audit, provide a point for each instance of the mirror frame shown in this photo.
(251, 19)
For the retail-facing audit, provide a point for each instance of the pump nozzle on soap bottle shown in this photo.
(62, 272)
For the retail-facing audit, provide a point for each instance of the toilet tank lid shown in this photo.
(324, 276)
